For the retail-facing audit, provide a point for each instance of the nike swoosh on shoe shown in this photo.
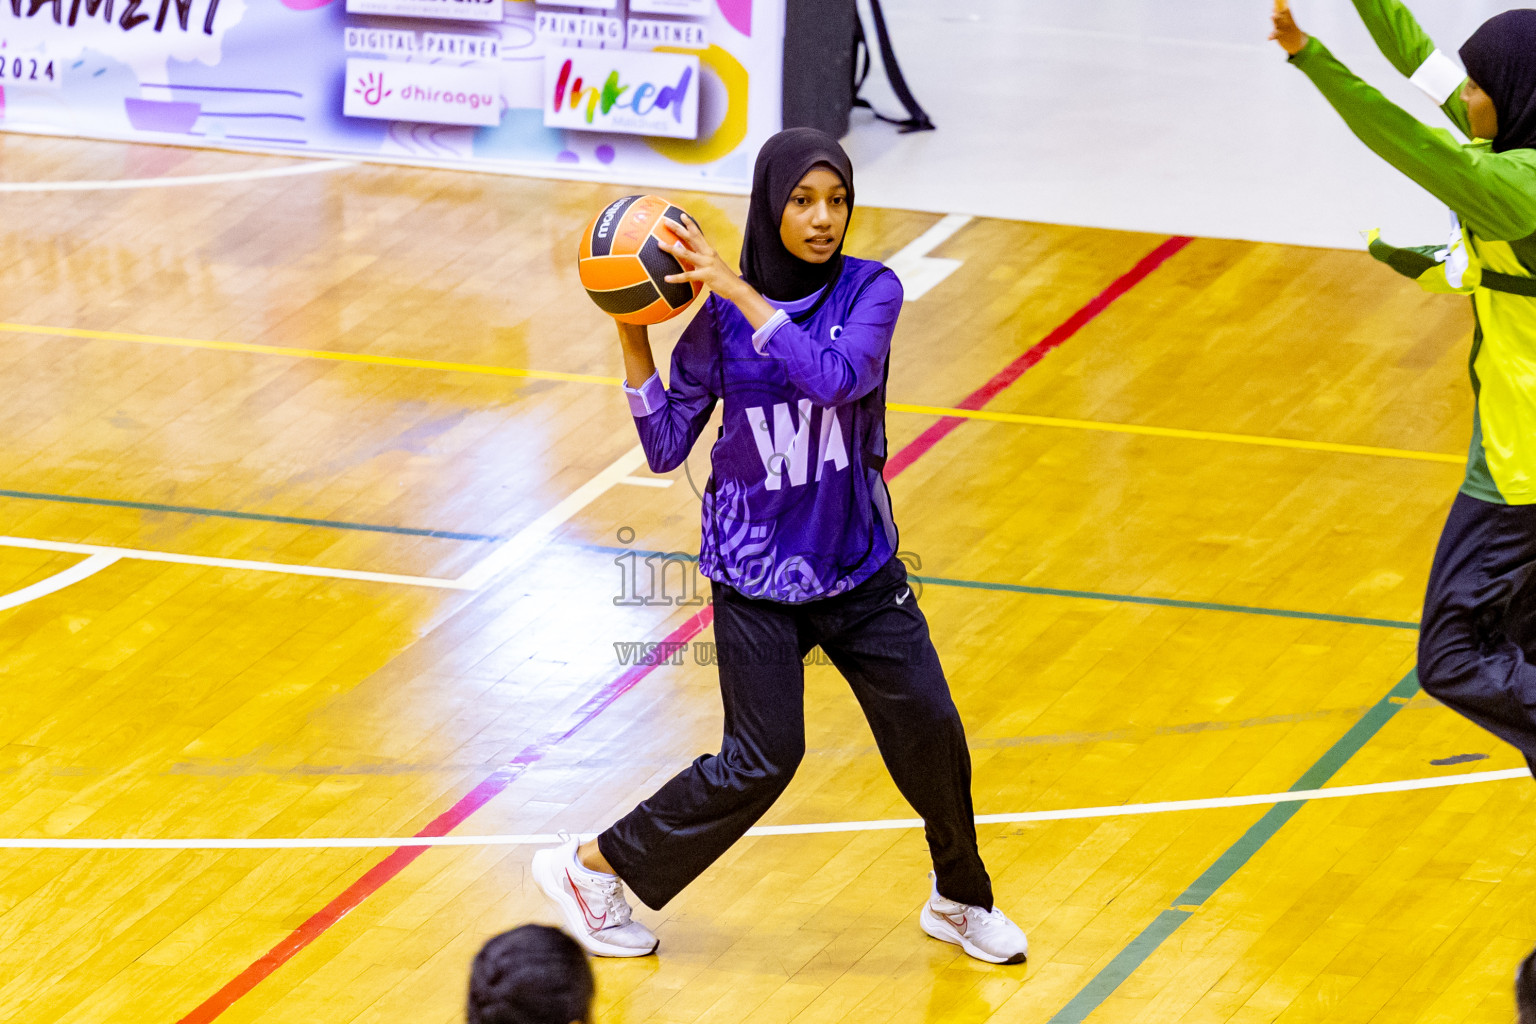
(593, 922)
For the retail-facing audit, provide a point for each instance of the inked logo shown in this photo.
(640, 98)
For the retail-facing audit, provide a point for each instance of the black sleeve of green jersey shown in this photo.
(1410, 261)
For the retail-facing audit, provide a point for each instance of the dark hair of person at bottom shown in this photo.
(530, 975)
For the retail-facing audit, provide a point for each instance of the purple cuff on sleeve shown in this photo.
(761, 336)
(648, 397)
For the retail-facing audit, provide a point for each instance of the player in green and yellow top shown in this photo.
(1477, 643)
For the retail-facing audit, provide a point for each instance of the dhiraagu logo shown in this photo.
(623, 91)
(431, 93)
(371, 88)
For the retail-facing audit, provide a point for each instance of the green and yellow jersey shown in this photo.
(1491, 254)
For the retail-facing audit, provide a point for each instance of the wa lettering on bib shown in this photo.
(785, 450)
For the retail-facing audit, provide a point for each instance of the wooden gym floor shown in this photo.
(316, 493)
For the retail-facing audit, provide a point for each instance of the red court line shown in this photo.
(1014, 370)
(386, 869)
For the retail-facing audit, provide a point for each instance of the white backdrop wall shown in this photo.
(1173, 116)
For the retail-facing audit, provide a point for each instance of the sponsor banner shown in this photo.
(433, 93)
(646, 33)
(622, 91)
(35, 70)
(450, 10)
(602, 5)
(135, 34)
(570, 29)
(430, 45)
(659, 93)
(691, 8)
(459, 47)
(384, 42)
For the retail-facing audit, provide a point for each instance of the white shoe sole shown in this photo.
(942, 930)
(549, 878)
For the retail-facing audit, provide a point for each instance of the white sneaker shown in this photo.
(985, 934)
(592, 904)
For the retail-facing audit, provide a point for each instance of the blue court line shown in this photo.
(1236, 856)
(221, 513)
(1087, 595)
(941, 581)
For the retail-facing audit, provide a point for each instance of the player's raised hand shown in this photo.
(699, 259)
(1290, 38)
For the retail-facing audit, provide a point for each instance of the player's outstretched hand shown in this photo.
(1290, 38)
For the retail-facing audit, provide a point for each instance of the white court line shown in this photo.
(229, 563)
(512, 552)
(58, 581)
(528, 540)
(918, 271)
(540, 839)
(169, 182)
(1127, 810)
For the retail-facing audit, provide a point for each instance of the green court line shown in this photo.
(1169, 602)
(1086, 595)
(221, 513)
(1236, 856)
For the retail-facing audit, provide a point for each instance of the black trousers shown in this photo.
(878, 639)
(1477, 643)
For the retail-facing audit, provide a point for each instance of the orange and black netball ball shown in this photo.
(624, 267)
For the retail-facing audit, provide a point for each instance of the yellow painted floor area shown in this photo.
(390, 371)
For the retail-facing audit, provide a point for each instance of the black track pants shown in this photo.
(1477, 643)
(878, 639)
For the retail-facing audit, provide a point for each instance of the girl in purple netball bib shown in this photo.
(800, 545)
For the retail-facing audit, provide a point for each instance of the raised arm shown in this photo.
(834, 371)
(831, 371)
(670, 419)
(1410, 49)
(1495, 193)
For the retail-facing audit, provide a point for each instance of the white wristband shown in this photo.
(763, 334)
(1438, 77)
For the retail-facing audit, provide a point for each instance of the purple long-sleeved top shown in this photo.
(795, 508)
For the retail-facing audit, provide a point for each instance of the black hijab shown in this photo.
(784, 159)
(1501, 58)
